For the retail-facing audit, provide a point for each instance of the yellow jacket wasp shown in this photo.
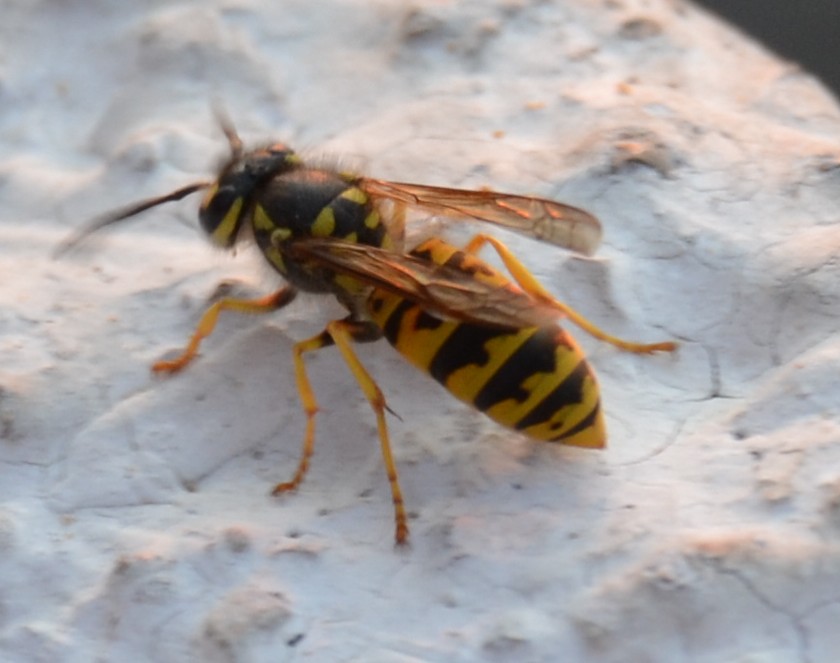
(493, 341)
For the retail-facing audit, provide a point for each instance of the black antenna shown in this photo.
(118, 215)
(109, 218)
(226, 124)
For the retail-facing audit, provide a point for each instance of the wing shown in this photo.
(442, 289)
(547, 220)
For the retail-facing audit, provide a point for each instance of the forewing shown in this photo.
(442, 289)
(563, 225)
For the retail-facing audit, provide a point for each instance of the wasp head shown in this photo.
(227, 202)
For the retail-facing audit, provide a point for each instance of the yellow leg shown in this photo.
(310, 407)
(397, 226)
(529, 284)
(208, 322)
(343, 333)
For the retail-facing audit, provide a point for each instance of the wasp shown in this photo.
(492, 340)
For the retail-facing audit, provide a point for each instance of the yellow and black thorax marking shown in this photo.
(308, 203)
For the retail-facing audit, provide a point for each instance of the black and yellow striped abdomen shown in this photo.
(533, 380)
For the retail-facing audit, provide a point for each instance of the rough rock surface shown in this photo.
(135, 522)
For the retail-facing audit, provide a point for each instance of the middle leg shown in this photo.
(343, 333)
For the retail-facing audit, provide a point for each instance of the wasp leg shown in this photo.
(529, 284)
(396, 227)
(208, 321)
(343, 333)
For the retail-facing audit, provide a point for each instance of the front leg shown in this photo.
(207, 324)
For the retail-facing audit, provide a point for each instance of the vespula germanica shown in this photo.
(491, 340)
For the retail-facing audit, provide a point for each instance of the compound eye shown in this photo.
(220, 215)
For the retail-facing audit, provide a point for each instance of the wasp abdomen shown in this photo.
(535, 380)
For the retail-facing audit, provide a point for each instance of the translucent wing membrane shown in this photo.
(562, 225)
